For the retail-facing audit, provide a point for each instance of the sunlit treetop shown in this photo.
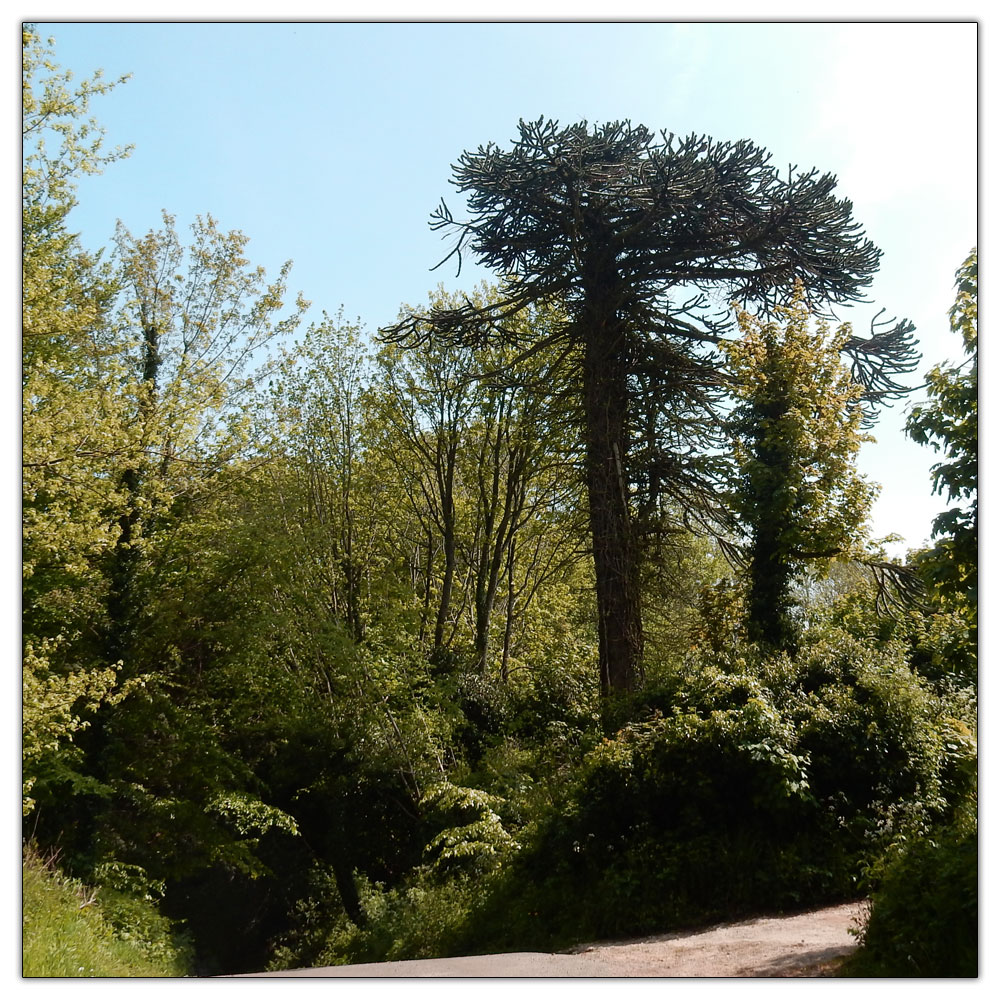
(61, 141)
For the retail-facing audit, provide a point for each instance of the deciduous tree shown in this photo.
(72, 423)
(949, 423)
(192, 324)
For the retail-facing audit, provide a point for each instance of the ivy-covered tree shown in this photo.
(798, 498)
(637, 235)
(949, 423)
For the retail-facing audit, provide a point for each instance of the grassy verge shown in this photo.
(66, 934)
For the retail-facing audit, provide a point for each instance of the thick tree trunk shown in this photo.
(616, 562)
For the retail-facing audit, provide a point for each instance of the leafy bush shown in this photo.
(873, 731)
(473, 841)
(923, 920)
(674, 821)
(748, 785)
(416, 921)
(418, 918)
(939, 639)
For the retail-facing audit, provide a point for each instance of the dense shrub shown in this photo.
(881, 743)
(939, 639)
(924, 918)
(674, 821)
(420, 920)
(747, 786)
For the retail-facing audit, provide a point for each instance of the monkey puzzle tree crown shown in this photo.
(663, 211)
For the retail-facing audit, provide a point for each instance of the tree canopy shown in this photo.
(797, 427)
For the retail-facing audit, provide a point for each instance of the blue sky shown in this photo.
(330, 143)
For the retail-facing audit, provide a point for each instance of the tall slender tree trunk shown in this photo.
(616, 561)
(498, 532)
(508, 631)
(446, 482)
(487, 567)
(428, 570)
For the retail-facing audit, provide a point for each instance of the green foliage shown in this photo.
(55, 110)
(71, 420)
(939, 640)
(949, 423)
(884, 748)
(675, 821)
(50, 716)
(64, 292)
(310, 635)
(923, 919)
(421, 917)
(139, 468)
(750, 786)
(676, 574)
(70, 930)
(617, 223)
(178, 802)
(797, 431)
(474, 842)
(421, 920)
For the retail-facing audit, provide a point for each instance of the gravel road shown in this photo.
(803, 945)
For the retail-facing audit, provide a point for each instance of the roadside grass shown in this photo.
(65, 933)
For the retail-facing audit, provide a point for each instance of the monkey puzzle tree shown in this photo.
(637, 235)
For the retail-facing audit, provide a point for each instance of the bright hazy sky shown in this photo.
(330, 143)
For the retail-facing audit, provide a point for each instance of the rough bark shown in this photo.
(615, 549)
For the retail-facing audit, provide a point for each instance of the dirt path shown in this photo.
(805, 944)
